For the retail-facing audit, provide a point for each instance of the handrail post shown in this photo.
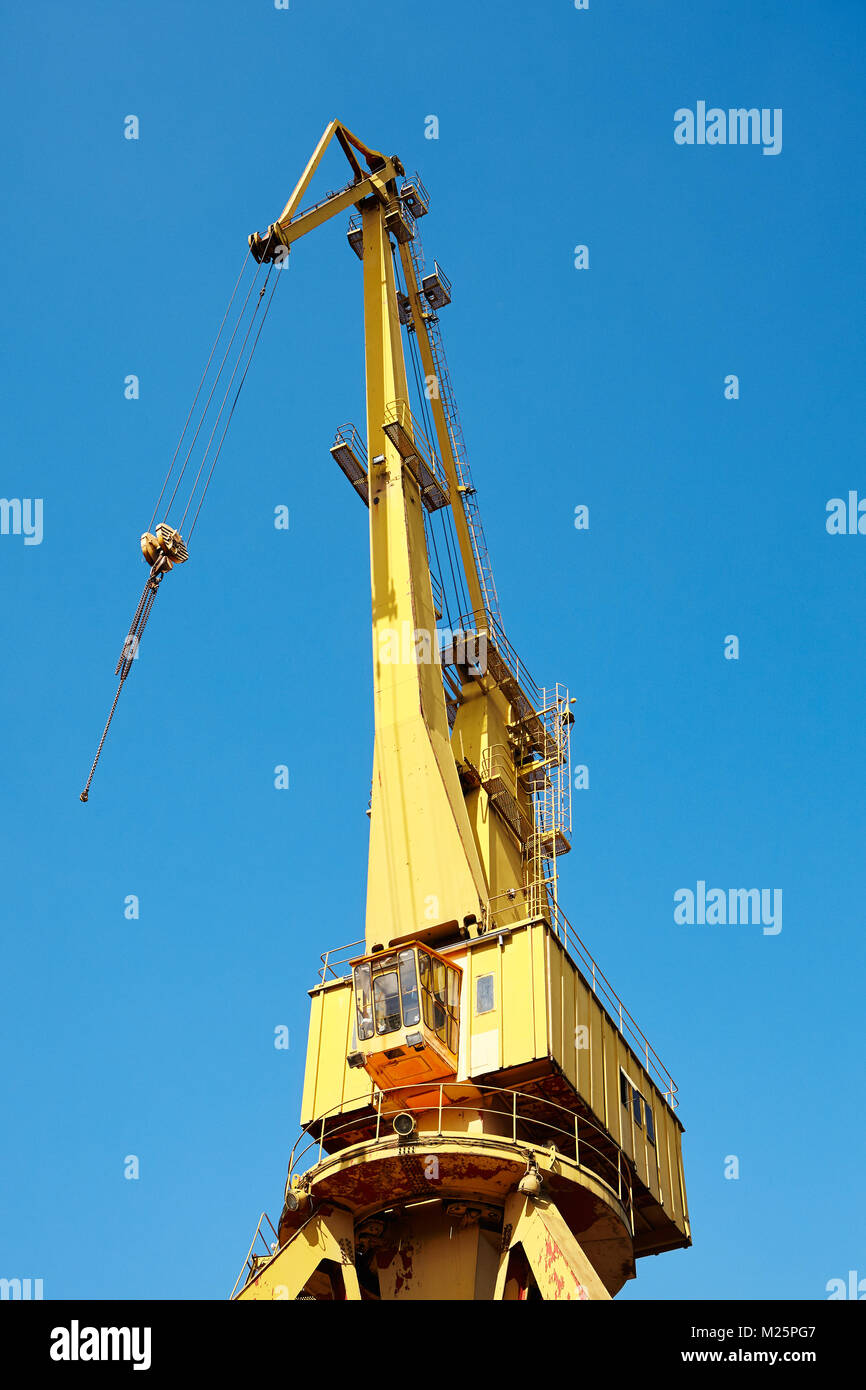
(619, 1173)
(514, 1119)
(576, 1143)
(321, 1138)
(378, 1114)
(439, 1130)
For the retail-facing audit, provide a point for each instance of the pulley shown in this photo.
(166, 544)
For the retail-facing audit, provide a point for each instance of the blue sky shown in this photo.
(602, 387)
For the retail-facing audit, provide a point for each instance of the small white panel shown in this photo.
(485, 1052)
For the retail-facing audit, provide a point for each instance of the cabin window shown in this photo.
(364, 1001)
(484, 994)
(398, 990)
(439, 998)
(409, 989)
(639, 1105)
(386, 995)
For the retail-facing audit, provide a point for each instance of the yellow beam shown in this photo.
(316, 216)
(328, 1237)
(561, 1269)
(374, 159)
(424, 866)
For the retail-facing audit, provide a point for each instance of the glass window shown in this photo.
(624, 1089)
(363, 1001)
(440, 992)
(386, 1002)
(453, 1000)
(484, 994)
(635, 1105)
(650, 1123)
(409, 988)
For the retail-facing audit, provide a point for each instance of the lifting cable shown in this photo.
(440, 574)
(449, 529)
(414, 352)
(166, 548)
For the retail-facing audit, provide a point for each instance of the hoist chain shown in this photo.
(128, 655)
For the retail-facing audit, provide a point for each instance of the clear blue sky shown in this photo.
(603, 387)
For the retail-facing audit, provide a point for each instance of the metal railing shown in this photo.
(533, 1123)
(438, 274)
(504, 909)
(252, 1260)
(412, 188)
(407, 436)
(482, 620)
(350, 435)
(339, 956)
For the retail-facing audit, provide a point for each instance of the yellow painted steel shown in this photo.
(424, 866)
(538, 1152)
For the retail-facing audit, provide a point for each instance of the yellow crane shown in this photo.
(481, 1116)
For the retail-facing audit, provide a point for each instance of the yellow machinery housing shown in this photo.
(481, 1116)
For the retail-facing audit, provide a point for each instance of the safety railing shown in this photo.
(351, 436)
(480, 620)
(252, 1259)
(415, 195)
(531, 1121)
(417, 452)
(505, 909)
(515, 905)
(326, 198)
(335, 962)
(500, 782)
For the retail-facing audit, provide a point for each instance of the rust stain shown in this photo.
(553, 1258)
